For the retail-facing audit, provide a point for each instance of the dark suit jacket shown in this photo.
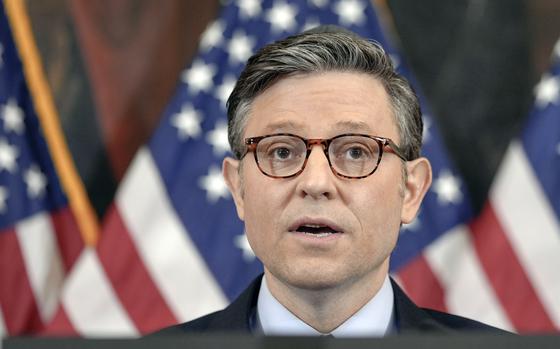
(409, 317)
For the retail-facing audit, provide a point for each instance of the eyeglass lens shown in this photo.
(350, 156)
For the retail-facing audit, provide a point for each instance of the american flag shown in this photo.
(502, 268)
(173, 249)
(39, 239)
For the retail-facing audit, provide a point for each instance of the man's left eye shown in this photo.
(355, 153)
(282, 153)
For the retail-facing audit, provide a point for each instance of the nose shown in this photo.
(317, 179)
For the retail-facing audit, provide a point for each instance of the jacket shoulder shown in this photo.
(234, 318)
(201, 324)
(459, 323)
(411, 318)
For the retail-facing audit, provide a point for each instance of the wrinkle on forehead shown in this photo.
(343, 126)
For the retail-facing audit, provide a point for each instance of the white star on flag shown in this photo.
(412, 226)
(240, 47)
(395, 60)
(242, 243)
(318, 3)
(36, 182)
(187, 122)
(426, 131)
(547, 91)
(311, 23)
(212, 36)
(218, 138)
(249, 8)
(556, 51)
(447, 189)
(3, 197)
(12, 115)
(350, 11)
(8, 156)
(282, 17)
(224, 90)
(214, 185)
(199, 77)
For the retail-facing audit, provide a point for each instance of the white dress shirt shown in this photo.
(374, 319)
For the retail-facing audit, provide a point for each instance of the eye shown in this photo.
(280, 153)
(355, 153)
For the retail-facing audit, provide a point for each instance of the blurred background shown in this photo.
(113, 66)
(120, 69)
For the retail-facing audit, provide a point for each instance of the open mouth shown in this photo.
(316, 230)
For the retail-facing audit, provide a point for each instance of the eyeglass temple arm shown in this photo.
(395, 149)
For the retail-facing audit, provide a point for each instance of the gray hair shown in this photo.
(317, 52)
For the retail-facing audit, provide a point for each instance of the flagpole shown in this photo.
(48, 117)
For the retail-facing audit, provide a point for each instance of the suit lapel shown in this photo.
(409, 317)
(239, 314)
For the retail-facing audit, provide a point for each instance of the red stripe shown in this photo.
(60, 325)
(129, 277)
(21, 314)
(70, 241)
(507, 275)
(422, 285)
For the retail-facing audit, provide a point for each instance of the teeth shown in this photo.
(319, 235)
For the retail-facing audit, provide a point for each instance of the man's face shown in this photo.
(361, 216)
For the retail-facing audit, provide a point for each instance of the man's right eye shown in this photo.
(280, 153)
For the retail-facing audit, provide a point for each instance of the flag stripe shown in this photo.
(508, 278)
(146, 211)
(533, 233)
(60, 326)
(127, 273)
(455, 263)
(48, 117)
(16, 296)
(42, 261)
(69, 240)
(90, 301)
(422, 285)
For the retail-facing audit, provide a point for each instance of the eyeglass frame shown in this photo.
(383, 142)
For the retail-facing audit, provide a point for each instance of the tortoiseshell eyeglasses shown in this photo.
(350, 155)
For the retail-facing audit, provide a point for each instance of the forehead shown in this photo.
(323, 105)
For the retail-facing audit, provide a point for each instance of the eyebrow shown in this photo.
(353, 126)
(283, 126)
(346, 126)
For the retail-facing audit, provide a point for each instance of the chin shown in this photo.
(309, 279)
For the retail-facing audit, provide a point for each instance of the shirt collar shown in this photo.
(374, 319)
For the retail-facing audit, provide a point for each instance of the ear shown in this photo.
(232, 176)
(417, 184)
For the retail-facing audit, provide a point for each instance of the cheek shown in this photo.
(379, 212)
(379, 238)
(262, 212)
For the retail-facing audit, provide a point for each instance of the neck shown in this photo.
(327, 308)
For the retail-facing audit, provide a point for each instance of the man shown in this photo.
(326, 138)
